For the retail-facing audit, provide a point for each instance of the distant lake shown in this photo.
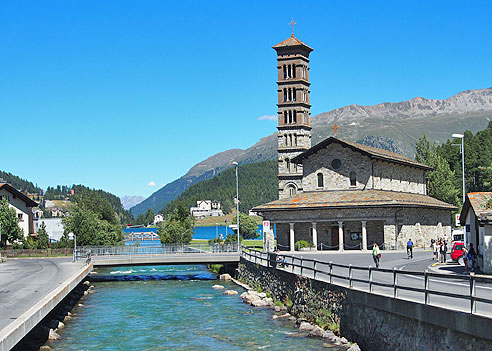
(199, 233)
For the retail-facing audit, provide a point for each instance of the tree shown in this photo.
(247, 226)
(440, 178)
(9, 224)
(149, 217)
(178, 227)
(90, 229)
(43, 240)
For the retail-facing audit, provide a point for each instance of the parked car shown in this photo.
(457, 252)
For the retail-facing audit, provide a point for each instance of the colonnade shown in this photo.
(340, 235)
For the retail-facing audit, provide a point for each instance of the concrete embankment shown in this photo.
(21, 326)
(374, 321)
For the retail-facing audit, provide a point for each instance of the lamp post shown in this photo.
(74, 245)
(237, 203)
(216, 230)
(462, 149)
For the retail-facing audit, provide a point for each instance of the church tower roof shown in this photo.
(292, 41)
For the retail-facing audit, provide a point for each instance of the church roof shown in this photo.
(292, 41)
(353, 198)
(479, 201)
(372, 152)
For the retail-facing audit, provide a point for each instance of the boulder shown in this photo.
(354, 347)
(60, 325)
(259, 303)
(53, 335)
(44, 348)
(217, 287)
(230, 292)
(87, 283)
(262, 295)
(285, 315)
(251, 298)
(268, 299)
(225, 276)
(344, 341)
(317, 331)
(277, 308)
(329, 334)
(243, 295)
(305, 326)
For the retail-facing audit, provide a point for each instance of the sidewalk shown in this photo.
(453, 268)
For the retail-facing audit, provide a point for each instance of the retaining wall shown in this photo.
(373, 321)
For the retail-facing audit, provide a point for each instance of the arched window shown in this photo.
(294, 70)
(295, 116)
(290, 72)
(290, 116)
(291, 189)
(290, 94)
(287, 165)
(285, 117)
(295, 144)
(353, 179)
(285, 72)
(285, 142)
(320, 180)
(285, 94)
(294, 94)
(290, 139)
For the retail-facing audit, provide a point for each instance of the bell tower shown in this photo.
(294, 112)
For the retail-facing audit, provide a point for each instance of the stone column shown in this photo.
(291, 237)
(315, 237)
(340, 236)
(364, 236)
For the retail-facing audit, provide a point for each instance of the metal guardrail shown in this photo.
(319, 268)
(114, 252)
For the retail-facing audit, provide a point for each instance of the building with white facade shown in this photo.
(23, 206)
(206, 208)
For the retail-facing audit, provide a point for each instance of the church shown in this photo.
(340, 195)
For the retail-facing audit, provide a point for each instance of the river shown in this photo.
(173, 308)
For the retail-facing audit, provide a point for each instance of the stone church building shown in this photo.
(338, 194)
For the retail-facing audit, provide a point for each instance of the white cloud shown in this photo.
(268, 118)
(152, 183)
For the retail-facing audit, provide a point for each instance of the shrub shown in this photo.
(301, 244)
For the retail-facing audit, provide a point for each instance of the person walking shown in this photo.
(410, 248)
(444, 251)
(376, 254)
(472, 256)
(465, 258)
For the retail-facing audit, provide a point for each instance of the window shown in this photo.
(290, 72)
(285, 72)
(294, 70)
(285, 117)
(285, 94)
(353, 179)
(320, 180)
(336, 163)
(287, 165)
(19, 216)
(291, 190)
(295, 116)
(294, 94)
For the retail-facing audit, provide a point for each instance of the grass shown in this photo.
(221, 220)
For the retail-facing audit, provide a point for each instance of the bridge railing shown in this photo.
(109, 252)
(473, 290)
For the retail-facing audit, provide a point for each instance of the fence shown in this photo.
(108, 252)
(36, 252)
(452, 290)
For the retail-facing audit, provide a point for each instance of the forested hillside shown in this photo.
(19, 183)
(258, 184)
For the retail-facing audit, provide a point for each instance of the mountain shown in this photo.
(129, 201)
(400, 122)
(20, 184)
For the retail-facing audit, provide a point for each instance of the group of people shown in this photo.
(469, 258)
(440, 249)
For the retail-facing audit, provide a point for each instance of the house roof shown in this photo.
(17, 193)
(353, 198)
(292, 41)
(372, 152)
(479, 202)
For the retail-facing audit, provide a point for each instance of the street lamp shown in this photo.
(462, 149)
(74, 245)
(237, 203)
(216, 230)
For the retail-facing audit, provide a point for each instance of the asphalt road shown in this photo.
(23, 282)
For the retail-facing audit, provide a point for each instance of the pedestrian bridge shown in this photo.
(160, 254)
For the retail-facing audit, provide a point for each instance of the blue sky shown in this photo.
(122, 94)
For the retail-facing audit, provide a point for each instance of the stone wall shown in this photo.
(374, 322)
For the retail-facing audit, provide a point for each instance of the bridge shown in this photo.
(166, 254)
(142, 236)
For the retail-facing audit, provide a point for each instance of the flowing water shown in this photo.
(174, 308)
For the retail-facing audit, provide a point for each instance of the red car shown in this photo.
(457, 252)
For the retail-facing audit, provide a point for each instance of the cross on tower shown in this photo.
(292, 23)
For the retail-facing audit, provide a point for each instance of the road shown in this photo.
(23, 282)
(454, 284)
